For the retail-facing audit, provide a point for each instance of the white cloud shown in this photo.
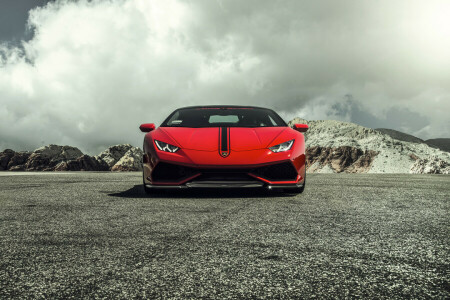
(95, 70)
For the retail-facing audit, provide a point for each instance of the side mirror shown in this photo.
(147, 127)
(301, 127)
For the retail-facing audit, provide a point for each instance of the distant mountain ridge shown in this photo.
(441, 143)
(401, 136)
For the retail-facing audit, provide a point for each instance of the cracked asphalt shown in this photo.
(97, 235)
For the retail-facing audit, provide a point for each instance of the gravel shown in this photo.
(97, 235)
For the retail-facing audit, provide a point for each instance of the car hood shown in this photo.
(207, 139)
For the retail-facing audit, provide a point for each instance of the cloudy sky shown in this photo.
(87, 73)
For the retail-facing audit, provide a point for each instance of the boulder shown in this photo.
(113, 154)
(431, 165)
(82, 163)
(48, 157)
(18, 161)
(18, 168)
(5, 157)
(131, 161)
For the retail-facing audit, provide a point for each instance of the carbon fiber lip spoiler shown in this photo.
(223, 184)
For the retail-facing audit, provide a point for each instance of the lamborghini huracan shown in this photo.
(224, 147)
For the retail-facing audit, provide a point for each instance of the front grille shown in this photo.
(224, 175)
(277, 172)
(165, 172)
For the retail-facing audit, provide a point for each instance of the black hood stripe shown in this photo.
(224, 141)
(224, 138)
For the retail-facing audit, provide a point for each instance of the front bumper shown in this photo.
(281, 174)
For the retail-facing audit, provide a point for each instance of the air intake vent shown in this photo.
(279, 172)
(165, 172)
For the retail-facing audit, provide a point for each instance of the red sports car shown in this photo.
(224, 147)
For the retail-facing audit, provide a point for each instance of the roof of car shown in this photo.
(223, 106)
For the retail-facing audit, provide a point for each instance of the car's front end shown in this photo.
(225, 155)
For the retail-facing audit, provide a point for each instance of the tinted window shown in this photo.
(229, 117)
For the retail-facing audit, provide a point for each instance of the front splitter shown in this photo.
(224, 184)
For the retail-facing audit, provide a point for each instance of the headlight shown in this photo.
(282, 147)
(166, 147)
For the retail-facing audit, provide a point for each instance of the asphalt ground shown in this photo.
(97, 235)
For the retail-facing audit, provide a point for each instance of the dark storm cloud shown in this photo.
(402, 119)
(99, 68)
(13, 18)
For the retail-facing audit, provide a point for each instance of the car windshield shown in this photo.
(223, 117)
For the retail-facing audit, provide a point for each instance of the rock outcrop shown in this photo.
(131, 161)
(113, 154)
(340, 159)
(432, 165)
(48, 157)
(5, 157)
(83, 163)
(67, 158)
(334, 146)
(18, 161)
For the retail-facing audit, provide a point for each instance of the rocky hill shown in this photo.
(66, 158)
(334, 146)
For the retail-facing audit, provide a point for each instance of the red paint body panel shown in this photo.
(194, 138)
(243, 139)
(206, 139)
(147, 127)
(301, 127)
